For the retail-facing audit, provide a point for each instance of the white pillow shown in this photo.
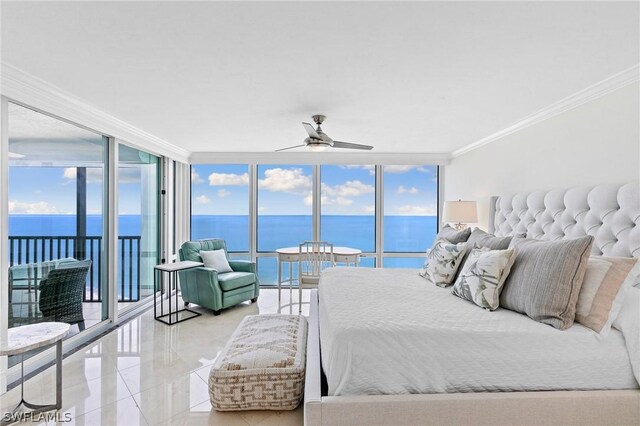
(483, 275)
(216, 259)
(628, 322)
(443, 261)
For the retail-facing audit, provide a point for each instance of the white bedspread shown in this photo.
(389, 331)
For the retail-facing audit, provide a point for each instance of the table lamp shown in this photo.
(460, 213)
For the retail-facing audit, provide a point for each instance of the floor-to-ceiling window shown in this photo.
(285, 201)
(410, 220)
(348, 208)
(220, 205)
(138, 223)
(389, 212)
(56, 215)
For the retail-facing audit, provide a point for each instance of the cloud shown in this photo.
(230, 179)
(351, 188)
(292, 181)
(369, 209)
(40, 207)
(402, 190)
(222, 193)
(341, 194)
(423, 170)
(308, 199)
(412, 210)
(195, 177)
(203, 199)
(262, 209)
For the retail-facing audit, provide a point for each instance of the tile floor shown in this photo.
(149, 373)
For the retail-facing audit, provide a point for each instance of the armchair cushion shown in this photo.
(233, 280)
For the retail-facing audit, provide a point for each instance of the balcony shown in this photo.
(33, 250)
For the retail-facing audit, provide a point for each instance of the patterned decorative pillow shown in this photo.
(450, 234)
(482, 276)
(443, 261)
(480, 239)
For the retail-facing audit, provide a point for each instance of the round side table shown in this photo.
(26, 338)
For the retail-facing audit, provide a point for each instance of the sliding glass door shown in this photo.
(138, 224)
(56, 216)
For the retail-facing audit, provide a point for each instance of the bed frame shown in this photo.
(611, 213)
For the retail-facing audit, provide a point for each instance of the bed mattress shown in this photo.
(389, 331)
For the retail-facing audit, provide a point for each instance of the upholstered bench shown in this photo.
(262, 366)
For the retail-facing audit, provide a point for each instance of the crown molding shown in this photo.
(608, 85)
(24, 88)
(345, 158)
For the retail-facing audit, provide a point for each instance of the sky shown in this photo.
(52, 190)
(286, 190)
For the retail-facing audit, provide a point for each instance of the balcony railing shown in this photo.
(34, 249)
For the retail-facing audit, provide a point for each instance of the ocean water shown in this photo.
(401, 233)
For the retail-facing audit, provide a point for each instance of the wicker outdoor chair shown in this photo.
(61, 293)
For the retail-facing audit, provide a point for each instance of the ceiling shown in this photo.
(421, 77)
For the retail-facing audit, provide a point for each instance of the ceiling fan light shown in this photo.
(318, 147)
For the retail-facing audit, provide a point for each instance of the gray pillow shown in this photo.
(546, 278)
(481, 239)
(454, 237)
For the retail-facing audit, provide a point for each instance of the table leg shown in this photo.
(59, 374)
(279, 283)
(290, 288)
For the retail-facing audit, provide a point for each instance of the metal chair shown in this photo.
(313, 258)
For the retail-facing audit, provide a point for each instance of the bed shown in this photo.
(541, 375)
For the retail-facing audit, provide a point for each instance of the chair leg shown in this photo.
(216, 313)
(186, 303)
(254, 300)
(299, 299)
(81, 326)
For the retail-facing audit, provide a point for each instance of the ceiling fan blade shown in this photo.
(291, 147)
(347, 145)
(311, 131)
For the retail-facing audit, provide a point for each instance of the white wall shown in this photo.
(598, 142)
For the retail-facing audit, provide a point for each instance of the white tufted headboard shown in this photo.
(611, 213)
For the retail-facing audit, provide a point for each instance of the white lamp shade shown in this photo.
(460, 212)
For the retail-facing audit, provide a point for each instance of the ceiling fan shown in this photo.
(319, 141)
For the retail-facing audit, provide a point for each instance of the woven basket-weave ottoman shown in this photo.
(262, 366)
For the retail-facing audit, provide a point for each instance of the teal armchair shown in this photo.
(206, 287)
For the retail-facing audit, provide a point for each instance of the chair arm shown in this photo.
(243, 266)
(200, 275)
(43, 285)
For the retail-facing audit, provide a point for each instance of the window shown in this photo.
(284, 206)
(348, 198)
(410, 208)
(220, 204)
(392, 234)
(56, 214)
